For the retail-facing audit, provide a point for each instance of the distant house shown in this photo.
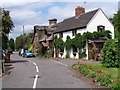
(43, 37)
(95, 20)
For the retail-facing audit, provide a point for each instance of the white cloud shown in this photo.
(40, 13)
(12, 4)
(26, 16)
(19, 30)
(61, 11)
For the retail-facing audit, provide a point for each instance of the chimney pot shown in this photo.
(52, 21)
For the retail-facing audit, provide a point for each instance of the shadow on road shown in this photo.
(18, 61)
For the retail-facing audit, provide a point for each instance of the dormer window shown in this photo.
(74, 32)
(100, 28)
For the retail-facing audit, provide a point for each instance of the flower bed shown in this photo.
(101, 75)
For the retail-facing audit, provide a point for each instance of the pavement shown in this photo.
(41, 73)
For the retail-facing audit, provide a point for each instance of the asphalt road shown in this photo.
(41, 73)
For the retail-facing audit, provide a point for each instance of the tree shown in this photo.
(12, 44)
(20, 42)
(24, 41)
(7, 23)
(6, 27)
(4, 42)
(116, 21)
(109, 52)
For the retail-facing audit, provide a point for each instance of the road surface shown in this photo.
(41, 73)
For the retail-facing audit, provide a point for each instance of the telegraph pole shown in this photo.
(84, 3)
(23, 30)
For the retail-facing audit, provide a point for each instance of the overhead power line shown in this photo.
(21, 5)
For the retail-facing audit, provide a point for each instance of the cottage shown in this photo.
(95, 20)
(43, 37)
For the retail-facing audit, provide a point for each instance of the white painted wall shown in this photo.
(65, 34)
(82, 30)
(100, 19)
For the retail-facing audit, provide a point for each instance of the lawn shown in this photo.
(112, 71)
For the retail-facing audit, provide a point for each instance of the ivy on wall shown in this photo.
(80, 40)
(59, 44)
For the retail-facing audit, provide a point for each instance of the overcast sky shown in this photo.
(38, 12)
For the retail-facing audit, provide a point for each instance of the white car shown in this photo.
(21, 52)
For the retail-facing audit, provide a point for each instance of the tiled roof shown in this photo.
(75, 22)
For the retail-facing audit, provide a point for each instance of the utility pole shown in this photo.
(23, 30)
(84, 3)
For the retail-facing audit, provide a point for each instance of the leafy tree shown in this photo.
(7, 23)
(116, 21)
(20, 42)
(12, 44)
(24, 41)
(6, 26)
(4, 42)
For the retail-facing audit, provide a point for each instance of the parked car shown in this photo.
(21, 52)
(28, 53)
(2, 58)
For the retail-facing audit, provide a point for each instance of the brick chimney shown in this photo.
(79, 10)
(52, 21)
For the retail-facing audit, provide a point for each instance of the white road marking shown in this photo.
(35, 82)
(36, 77)
(34, 64)
(59, 63)
(37, 70)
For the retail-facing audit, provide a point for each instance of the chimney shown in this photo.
(79, 10)
(52, 21)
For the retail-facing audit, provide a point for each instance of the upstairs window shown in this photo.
(61, 35)
(100, 28)
(74, 32)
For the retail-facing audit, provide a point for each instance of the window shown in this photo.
(61, 35)
(100, 28)
(74, 32)
(74, 49)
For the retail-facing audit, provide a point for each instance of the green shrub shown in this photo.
(93, 75)
(109, 52)
(48, 54)
(104, 81)
(116, 86)
(82, 54)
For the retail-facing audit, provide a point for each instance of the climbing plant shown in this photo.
(68, 43)
(59, 44)
(79, 41)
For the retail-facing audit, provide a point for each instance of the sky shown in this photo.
(38, 12)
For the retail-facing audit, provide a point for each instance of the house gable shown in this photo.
(100, 19)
